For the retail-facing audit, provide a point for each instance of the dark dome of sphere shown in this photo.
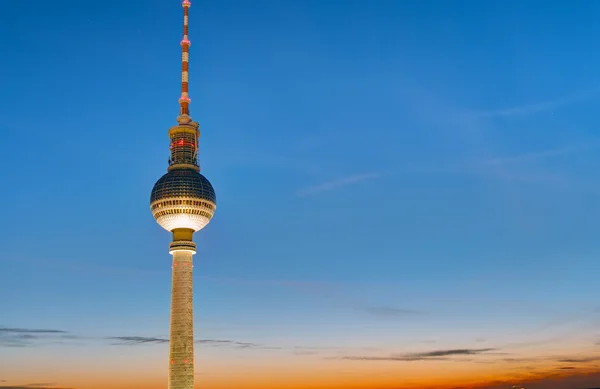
(183, 183)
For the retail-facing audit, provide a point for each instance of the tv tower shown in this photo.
(183, 202)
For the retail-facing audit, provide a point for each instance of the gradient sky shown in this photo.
(408, 192)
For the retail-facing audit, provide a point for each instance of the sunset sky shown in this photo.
(408, 193)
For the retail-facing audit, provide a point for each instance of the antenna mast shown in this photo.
(184, 100)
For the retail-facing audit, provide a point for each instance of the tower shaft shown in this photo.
(181, 345)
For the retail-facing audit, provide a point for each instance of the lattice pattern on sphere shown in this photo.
(181, 346)
(183, 183)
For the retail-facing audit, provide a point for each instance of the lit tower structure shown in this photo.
(183, 202)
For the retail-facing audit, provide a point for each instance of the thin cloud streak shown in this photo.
(580, 360)
(32, 386)
(553, 179)
(142, 340)
(529, 109)
(29, 331)
(30, 337)
(472, 126)
(136, 340)
(425, 356)
(522, 110)
(538, 155)
(335, 184)
(467, 124)
(232, 343)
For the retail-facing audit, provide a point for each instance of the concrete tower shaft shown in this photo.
(181, 345)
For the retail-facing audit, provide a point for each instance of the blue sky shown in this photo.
(370, 158)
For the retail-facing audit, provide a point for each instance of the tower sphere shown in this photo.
(183, 198)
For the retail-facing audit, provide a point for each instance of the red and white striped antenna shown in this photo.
(184, 100)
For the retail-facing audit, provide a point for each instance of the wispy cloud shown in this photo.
(141, 340)
(472, 126)
(136, 340)
(529, 109)
(444, 353)
(524, 177)
(430, 355)
(570, 361)
(29, 337)
(33, 386)
(29, 331)
(580, 360)
(543, 154)
(338, 183)
(231, 343)
(518, 168)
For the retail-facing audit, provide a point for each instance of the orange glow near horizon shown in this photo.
(272, 379)
(301, 373)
